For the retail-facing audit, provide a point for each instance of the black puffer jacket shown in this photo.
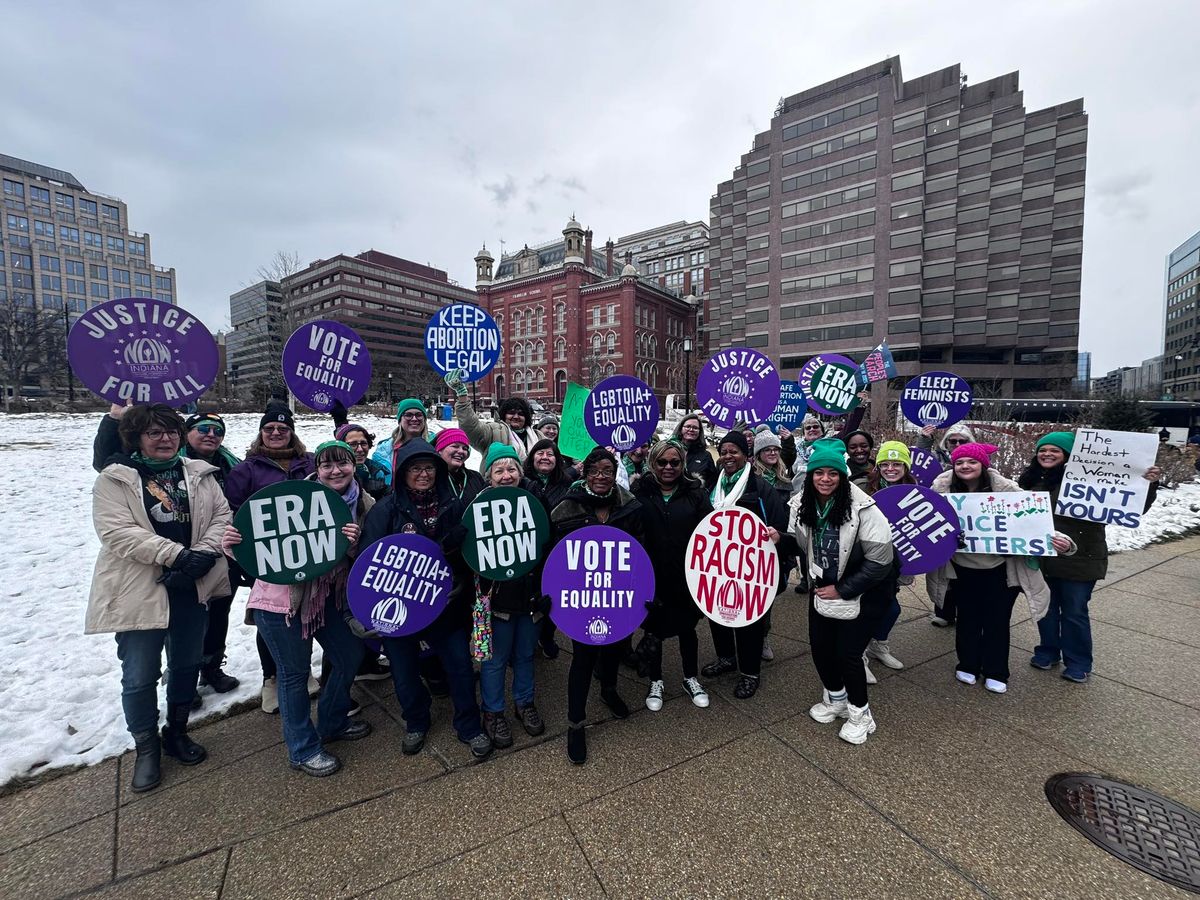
(470, 482)
(668, 527)
(578, 510)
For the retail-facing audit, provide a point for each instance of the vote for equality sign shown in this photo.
(326, 361)
(399, 585)
(924, 526)
(291, 532)
(506, 529)
(1103, 481)
(599, 580)
(621, 412)
(732, 567)
(1006, 523)
(462, 336)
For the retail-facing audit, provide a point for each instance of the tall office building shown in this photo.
(940, 215)
(254, 344)
(65, 245)
(1181, 329)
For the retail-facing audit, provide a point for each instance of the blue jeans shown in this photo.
(513, 638)
(1066, 630)
(293, 656)
(141, 652)
(414, 698)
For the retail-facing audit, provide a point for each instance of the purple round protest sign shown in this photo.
(738, 386)
(621, 412)
(936, 398)
(399, 585)
(142, 350)
(324, 361)
(925, 527)
(925, 466)
(599, 580)
(804, 379)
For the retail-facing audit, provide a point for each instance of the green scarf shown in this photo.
(157, 465)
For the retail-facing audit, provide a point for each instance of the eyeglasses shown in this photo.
(669, 463)
(422, 470)
(413, 416)
(218, 430)
(358, 445)
(330, 465)
(156, 434)
(601, 473)
(769, 450)
(276, 429)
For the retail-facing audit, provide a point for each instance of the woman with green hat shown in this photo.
(846, 546)
(1066, 630)
(411, 424)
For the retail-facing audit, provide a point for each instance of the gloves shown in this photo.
(454, 381)
(175, 580)
(358, 629)
(340, 416)
(194, 563)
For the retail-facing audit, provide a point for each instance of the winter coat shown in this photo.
(373, 478)
(125, 593)
(552, 493)
(473, 483)
(108, 442)
(860, 475)
(576, 511)
(483, 434)
(396, 514)
(385, 454)
(926, 442)
(668, 526)
(257, 472)
(866, 561)
(1018, 571)
(1090, 561)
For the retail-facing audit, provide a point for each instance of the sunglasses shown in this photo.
(669, 463)
(276, 429)
(955, 442)
(218, 430)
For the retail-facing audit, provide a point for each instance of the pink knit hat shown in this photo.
(981, 452)
(450, 436)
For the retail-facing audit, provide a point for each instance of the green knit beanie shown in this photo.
(828, 453)
(410, 403)
(1063, 440)
(498, 451)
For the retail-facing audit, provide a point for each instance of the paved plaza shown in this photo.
(746, 798)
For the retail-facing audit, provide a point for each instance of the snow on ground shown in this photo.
(60, 691)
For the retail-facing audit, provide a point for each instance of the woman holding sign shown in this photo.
(289, 617)
(846, 546)
(596, 500)
(1066, 629)
(159, 516)
(673, 502)
(741, 649)
(985, 585)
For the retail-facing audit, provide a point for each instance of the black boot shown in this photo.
(212, 675)
(147, 765)
(175, 738)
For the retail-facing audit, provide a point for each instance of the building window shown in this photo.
(49, 263)
(112, 213)
(39, 195)
(99, 272)
(91, 239)
(138, 248)
(51, 282)
(100, 290)
(907, 180)
(75, 267)
(14, 189)
(18, 223)
(43, 229)
(22, 261)
(120, 276)
(612, 343)
(116, 244)
(87, 207)
(67, 233)
(162, 282)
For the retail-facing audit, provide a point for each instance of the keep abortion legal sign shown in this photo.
(506, 530)
(462, 336)
(732, 567)
(291, 532)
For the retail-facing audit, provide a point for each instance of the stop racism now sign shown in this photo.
(732, 567)
(291, 532)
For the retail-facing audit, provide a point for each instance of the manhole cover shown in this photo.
(1146, 830)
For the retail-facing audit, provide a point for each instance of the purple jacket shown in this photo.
(257, 472)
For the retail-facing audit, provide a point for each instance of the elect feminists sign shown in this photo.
(732, 568)
(143, 350)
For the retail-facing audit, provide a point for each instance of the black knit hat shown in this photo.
(277, 411)
(736, 438)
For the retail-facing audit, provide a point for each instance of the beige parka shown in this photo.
(125, 594)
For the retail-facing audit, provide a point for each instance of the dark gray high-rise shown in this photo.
(938, 214)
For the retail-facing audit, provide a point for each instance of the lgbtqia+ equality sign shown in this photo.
(621, 412)
(291, 532)
(399, 585)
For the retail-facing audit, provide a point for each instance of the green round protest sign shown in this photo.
(506, 530)
(291, 532)
(834, 389)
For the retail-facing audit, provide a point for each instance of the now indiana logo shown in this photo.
(147, 356)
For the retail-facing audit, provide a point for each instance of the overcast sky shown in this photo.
(234, 130)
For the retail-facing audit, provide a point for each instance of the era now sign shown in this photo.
(732, 568)
(291, 531)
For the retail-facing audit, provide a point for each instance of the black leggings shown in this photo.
(743, 644)
(837, 650)
(689, 650)
(579, 680)
(985, 604)
(216, 631)
(265, 659)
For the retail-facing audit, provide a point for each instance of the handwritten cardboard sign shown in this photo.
(574, 442)
(1005, 523)
(1103, 481)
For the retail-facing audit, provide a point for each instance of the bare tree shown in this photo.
(30, 342)
(277, 319)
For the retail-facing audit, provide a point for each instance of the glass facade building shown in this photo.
(1181, 327)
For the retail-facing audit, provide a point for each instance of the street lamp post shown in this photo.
(687, 377)
(390, 399)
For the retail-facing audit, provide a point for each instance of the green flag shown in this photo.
(573, 438)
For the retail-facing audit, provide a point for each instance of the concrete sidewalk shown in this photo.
(746, 798)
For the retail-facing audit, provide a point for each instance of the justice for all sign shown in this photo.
(732, 567)
(738, 385)
(936, 398)
(621, 412)
(1103, 481)
(462, 336)
(399, 585)
(599, 580)
(291, 532)
(924, 526)
(325, 361)
(506, 530)
(925, 466)
(1006, 523)
(142, 350)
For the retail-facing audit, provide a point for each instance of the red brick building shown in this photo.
(566, 313)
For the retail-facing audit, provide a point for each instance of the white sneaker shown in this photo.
(826, 711)
(860, 724)
(270, 695)
(696, 691)
(881, 651)
(996, 687)
(871, 679)
(964, 677)
(314, 686)
(654, 698)
(767, 653)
